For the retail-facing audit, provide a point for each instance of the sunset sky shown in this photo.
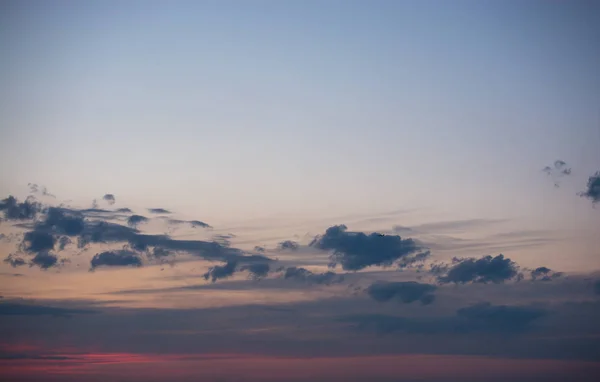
(299, 190)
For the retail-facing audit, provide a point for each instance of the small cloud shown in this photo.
(470, 270)
(36, 241)
(192, 223)
(158, 252)
(124, 210)
(259, 248)
(544, 274)
(110, 198)
(406, 292)
(500, 317)
(134, 220)
(63, 242)
(14, 261)
(558, 170)
(304, 275)
(220, 271)
(158, 211)
(357, 250)
(592, 191)
(45, 260)
(119, 258)
(288, 245)
(13, 210)
(36, 189)
(257, 271)
(15, 309)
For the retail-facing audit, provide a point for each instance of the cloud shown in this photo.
(259, 248)
(484, 270)
(118, 258)
(63, 221)
(356, 250)
(45, 260)
(288, 245)
(135, 220)
(124, 210)
(405, 292)
(193, 223)
(37, 241)
(592, 191)
(36, 189)
(110, 198)
(63, 242)
(14, 261)
(158, 252)
(158, 211)
(500, 317)
(557, 170)
(16, 309)
(544, 274)
(597, 287)
(257, 271)
(220, 271)
(304, 275)
(13, 210)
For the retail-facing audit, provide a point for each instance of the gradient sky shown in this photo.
(274, 120)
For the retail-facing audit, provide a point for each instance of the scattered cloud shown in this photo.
(304, 275)
(558, 170)
(44, 260)
(220, 271)
(192, 223)
(14, 210)
(484, 270)
(37, 189)
(405, 292)
(356, 250)
(14, 260)
(124, 210)
(158, 211)
(15, 309)
(118, 258)
(257, 271)
(544, 274)
(288, 245)
(592, 191)
(110, 198)
(134, 220)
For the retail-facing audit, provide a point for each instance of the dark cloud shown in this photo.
(158, 252)
(13, 210)
(288, 245)
(15, 309)
(14, 261)
(592, 191)
(405, 292)
(500, 317)
(597, 287)
(63, 241)
(544, 274)
(356, 250)
(416, 260)
(124, 210)
(220, 271)
(260, 249)
(158, 211)
(192, 223)
(257, 271)
(304, 275)
(118, 258)
(45, 260)
(484, 270)
(63, 221)
(134, 220)
(37, 241)
(110, 198)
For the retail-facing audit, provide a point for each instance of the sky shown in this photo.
(299, 190)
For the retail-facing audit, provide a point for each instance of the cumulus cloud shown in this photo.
(117, 258)
(288, 245)
(405, 292)
(110, 198)
(220, 271)
(484, 270)
(14, 260)
(63, 221)
(304, 275)
(158, 211)
(14, 210)
(356, 250)
(36, 241)
(45, 260)
(135, 220)
(592, 191)
(63, 241)
(544, 274)
(257, 271)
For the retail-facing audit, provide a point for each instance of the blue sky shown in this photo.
(275, 120)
